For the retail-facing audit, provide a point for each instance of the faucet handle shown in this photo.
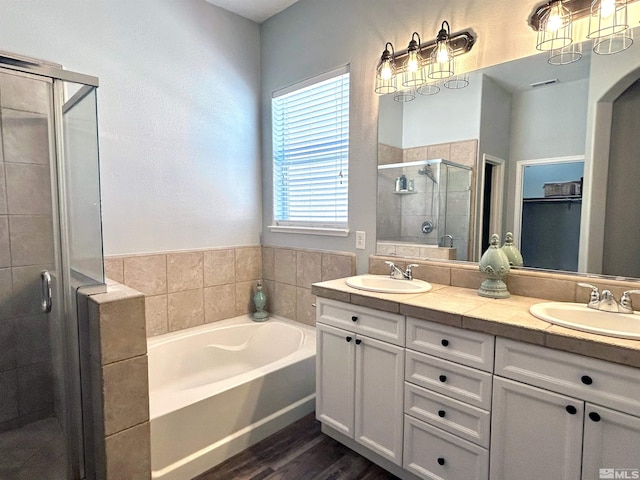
(595, 295)
(409, 272)
(626, 306)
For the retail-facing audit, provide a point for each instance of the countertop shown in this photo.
(510, 318)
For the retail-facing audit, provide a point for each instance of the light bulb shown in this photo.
(413, 62)
(555, 18)
(442, 55)
(607, 8)
(386, 72)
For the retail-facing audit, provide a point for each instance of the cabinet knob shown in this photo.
(354, 319)
(440, 461)
(441, 413)
(442, 378)
(571, 409)
(445, 342)
(594, 416)
(349, 339)
(586, 379)
(358, 341)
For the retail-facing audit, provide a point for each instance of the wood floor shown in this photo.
(299, 452)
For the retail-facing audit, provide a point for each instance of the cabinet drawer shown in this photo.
(388, 327)
(473, 349)
(466, 421)
(605, 383)
(462, 383)
(431, 454)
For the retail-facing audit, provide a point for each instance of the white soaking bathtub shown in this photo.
(216, 389)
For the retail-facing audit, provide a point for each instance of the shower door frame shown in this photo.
(73, 429)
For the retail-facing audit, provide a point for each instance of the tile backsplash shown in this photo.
(185, 289)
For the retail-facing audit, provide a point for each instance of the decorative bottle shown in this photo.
(260, 300)
(512, 253)
(495, 265)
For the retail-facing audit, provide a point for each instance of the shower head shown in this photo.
(426, 170)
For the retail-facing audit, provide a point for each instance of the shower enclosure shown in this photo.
(50, 247)
(425, 203)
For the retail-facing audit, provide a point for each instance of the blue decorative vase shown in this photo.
(260, 300)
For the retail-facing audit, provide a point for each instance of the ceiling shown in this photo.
(256, 10)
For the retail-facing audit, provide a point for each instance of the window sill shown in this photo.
(330, 232)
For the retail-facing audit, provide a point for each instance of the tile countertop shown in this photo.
(463, 307)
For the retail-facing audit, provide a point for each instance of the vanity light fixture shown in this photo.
(608, 26)
(415, 61)
(565, 55)
(441, 59)
(405, 95)
(413, 69)
(555, 29)
(430, 88)
(457, 81)
(386, 71)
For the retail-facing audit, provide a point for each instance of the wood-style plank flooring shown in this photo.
(298, 452)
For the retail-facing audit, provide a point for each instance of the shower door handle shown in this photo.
(45, 279)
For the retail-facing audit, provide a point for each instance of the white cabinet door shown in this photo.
(535, 433)
(379, 397)
(611, 441)
(335, 369)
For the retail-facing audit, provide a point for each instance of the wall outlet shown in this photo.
(361, 238)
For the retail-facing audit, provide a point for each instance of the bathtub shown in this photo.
(216, 389)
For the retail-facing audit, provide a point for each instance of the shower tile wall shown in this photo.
(185, 289)
(26, 248)
(402, 218)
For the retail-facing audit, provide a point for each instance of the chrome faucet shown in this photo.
(606, 302)
(399, 274)
(450, 238)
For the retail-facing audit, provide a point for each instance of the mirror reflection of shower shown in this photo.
(435, 213)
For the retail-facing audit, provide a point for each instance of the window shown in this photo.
(310, 124)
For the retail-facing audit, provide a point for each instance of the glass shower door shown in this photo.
(50, 246)
(32, 440)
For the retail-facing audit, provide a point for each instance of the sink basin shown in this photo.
(579, 317)
(386, 284)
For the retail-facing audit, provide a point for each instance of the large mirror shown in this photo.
(552, 151)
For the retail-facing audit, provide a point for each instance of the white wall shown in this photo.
(178, 113)
(447, 117)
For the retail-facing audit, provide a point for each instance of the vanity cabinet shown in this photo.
(448, 385)
(560, 415)
(359, 377)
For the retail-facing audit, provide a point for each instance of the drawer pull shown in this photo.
(354, 319)
(445, 342)
(358, 341)
(594, 416)
(440, 461)
(442, 378)
(571, 409)
(441, 413)
(587, 380)
(349, 339)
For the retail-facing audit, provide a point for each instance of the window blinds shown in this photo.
(311, 154)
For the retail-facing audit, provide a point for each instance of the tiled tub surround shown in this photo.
(186, 289)
(454, 301)
(117, 412)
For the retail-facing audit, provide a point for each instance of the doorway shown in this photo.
(548, 210)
